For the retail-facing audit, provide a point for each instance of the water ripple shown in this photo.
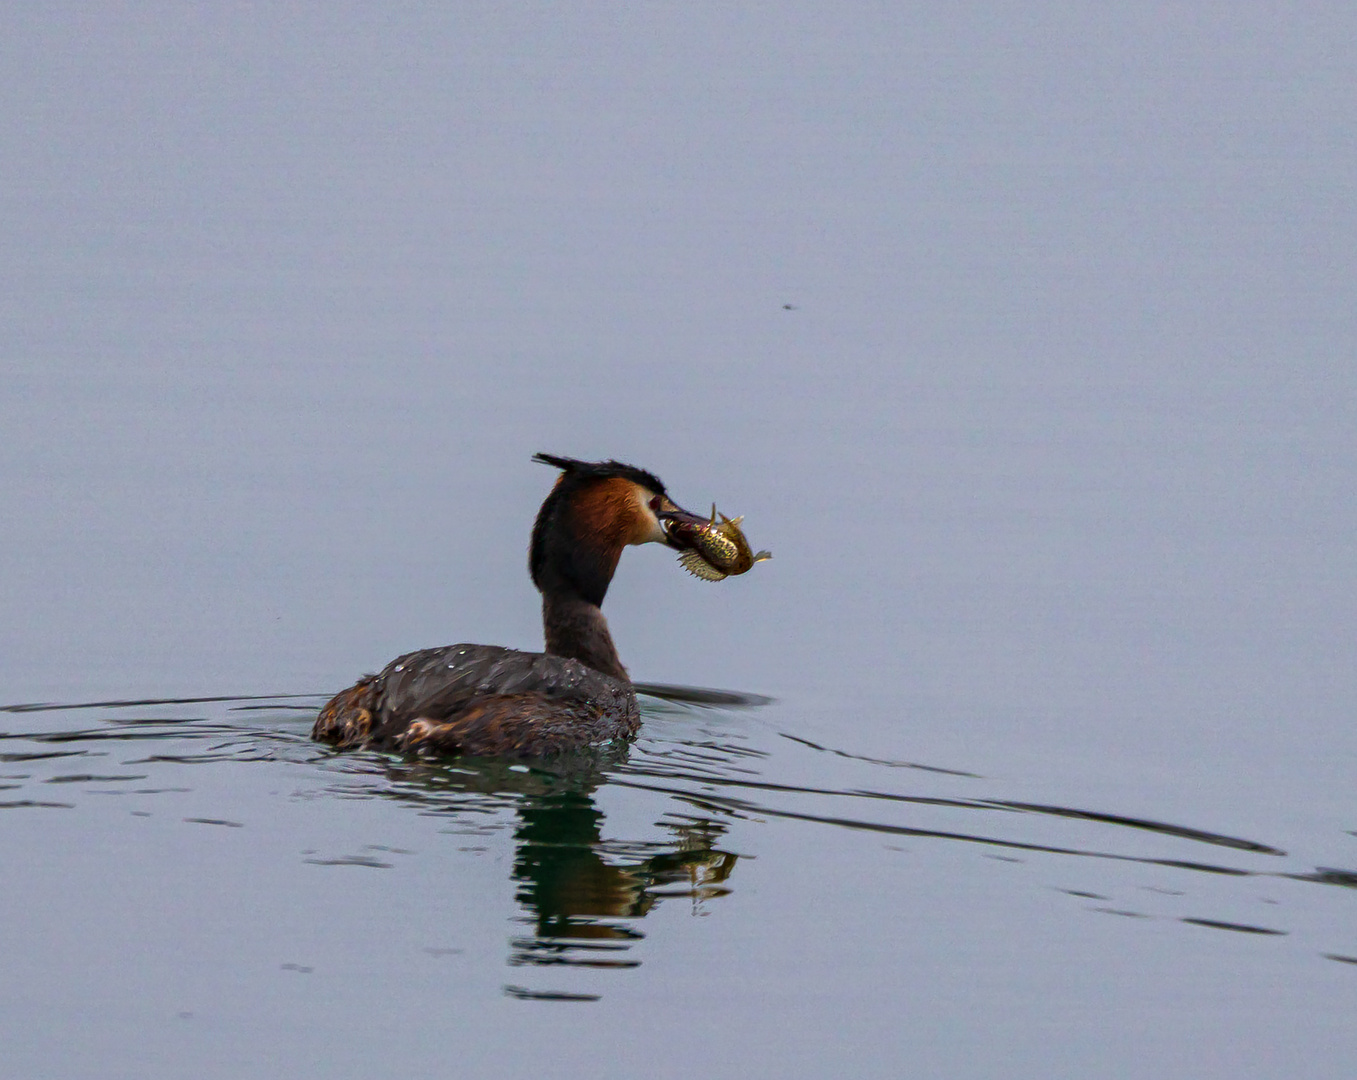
(697, 773)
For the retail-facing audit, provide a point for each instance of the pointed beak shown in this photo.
(678, 525)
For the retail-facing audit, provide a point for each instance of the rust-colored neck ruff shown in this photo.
(580, 533)
(577, 629)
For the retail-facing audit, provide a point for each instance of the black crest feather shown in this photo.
(601, 470)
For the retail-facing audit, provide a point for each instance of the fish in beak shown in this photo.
(712, 550)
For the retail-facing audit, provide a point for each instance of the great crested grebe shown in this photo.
(492, 701)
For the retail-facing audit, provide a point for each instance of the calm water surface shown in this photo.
(1024, 337)
(203, 888)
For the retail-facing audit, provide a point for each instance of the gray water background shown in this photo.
(1022, 335)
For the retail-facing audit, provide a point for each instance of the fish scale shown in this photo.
(716, 551)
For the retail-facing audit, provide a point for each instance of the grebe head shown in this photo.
(595, 510)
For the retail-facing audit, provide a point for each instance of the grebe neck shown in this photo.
(576, 629)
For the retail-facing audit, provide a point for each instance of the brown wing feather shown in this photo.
(347, 718)
(519, 725)
(480, 700)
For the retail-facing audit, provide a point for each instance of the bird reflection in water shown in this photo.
(581, 905)
(582, 894)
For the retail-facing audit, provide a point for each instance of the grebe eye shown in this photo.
(655, 503)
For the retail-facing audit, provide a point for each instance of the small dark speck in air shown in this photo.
(789, 307)
(299, 968)
(214, 821)
(1340, 958)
